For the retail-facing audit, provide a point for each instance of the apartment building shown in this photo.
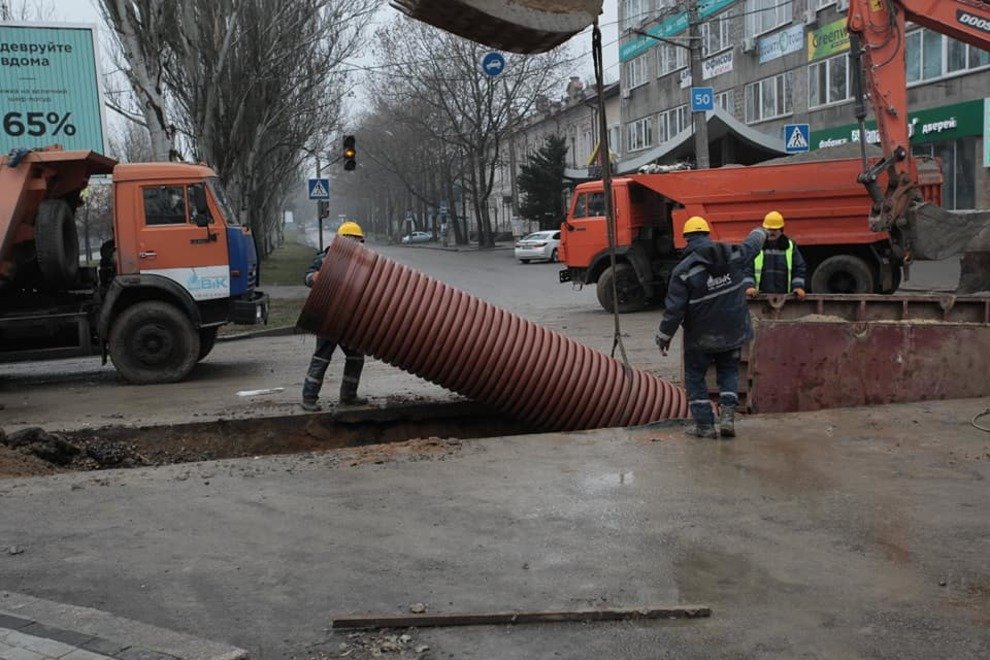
(575, 118)
(777, 62)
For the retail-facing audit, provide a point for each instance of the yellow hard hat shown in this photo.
(695, 224)
(350, 228)
(773, 220)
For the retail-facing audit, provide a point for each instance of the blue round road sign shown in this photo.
(492, 64)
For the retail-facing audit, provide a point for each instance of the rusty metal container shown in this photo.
(446, 336)
(833, 351)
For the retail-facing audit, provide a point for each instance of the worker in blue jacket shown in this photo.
(779, 267)
(353, 360)
(705, 294)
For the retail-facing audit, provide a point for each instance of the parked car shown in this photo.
(538, 245)
(417, 237)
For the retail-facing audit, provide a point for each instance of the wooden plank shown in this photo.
(500, 618)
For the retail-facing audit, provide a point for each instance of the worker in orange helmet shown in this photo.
(705, 294)
(779, 267)
(354, 360)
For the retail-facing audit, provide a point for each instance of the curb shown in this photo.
(46, 628)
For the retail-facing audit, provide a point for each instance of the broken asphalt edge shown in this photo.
(118, 631)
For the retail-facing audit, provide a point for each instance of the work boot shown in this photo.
(352, 400)
(310, 406)
(727, 421)
(702, 431)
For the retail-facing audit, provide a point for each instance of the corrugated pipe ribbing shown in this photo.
(446, 336)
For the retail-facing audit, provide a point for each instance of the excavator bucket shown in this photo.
(934, 233)
(518, 26)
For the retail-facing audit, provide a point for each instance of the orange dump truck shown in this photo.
(824, 206)
(179, 266)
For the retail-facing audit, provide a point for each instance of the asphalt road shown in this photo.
(76, 393)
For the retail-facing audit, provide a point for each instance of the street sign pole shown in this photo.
(700, 118)
(319, 216)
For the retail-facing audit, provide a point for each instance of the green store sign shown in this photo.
(935, 125)
(675, 25)
(827, 40)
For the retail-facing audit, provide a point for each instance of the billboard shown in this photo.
(50, 89)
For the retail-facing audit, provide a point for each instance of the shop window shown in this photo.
(958, 159)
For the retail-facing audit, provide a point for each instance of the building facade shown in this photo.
(777, 62)
(575, 118)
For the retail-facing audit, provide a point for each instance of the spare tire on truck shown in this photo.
(56, 242)
(153, 342)
(843, 273)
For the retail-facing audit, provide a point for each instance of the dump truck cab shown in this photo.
(177, 268)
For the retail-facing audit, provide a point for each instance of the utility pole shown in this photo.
(700, 119)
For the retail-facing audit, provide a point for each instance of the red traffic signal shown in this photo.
(350, 153)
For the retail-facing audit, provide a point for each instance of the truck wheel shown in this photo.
(153, 342)
(632, 296)
(56, 242)
(843, 273)
(207, 338)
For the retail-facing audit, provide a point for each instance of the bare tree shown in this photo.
(143, 30)
(249, 86)
(469, 111)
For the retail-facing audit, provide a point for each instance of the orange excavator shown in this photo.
(918, 229)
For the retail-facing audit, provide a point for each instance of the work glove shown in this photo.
(800, 293)
(662, 343)
(751, 292)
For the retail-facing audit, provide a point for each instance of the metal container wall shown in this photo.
(446, 336)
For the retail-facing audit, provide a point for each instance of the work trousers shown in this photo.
(353, 364)
(696, 365)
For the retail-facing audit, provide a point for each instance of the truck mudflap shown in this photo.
(833, 351)
(251, 309)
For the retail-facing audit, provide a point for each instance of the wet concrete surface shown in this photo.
(852, 533)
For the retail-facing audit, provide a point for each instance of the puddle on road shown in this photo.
(124, 447)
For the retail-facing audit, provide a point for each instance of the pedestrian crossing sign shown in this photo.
(319, 189)
(797, 138)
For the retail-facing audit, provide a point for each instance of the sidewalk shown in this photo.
(36, 629)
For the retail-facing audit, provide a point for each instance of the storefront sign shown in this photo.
(935, 125)
(49, 88)
(716, 66)
(828, 40)
(782, 43)
(713, 66)
(674, 25)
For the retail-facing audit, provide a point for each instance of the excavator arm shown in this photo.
(918, 230)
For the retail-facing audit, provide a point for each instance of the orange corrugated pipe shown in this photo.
(446, 336)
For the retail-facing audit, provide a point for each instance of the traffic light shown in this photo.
(324, 209)
(349, 153)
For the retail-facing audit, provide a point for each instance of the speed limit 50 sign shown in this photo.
(50, 91)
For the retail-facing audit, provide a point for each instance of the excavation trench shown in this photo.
(423, 430)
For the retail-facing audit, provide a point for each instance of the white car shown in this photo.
(417, 237)
(541, 245)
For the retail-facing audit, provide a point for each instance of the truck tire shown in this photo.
(153, 342)
(207, 338)
(632, 296)
(843, 273)
(56, 243)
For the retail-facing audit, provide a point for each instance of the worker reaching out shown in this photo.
(354, 360)
(705, 294)
(779, 267)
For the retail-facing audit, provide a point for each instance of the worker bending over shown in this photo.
(354, 360)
